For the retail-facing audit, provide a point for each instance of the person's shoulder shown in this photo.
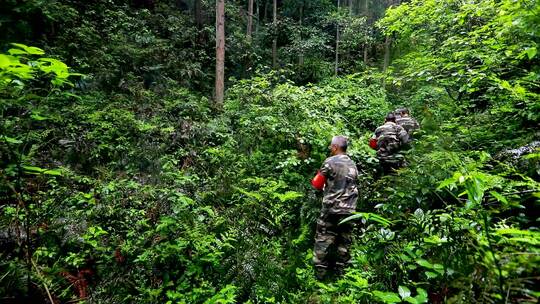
(399, 128)
(331, 159)
(404, 119)
(337, 158)
(341, 158)
(386, 125)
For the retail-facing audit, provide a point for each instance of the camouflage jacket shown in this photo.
(340, 191)
(408, 123)
(390, 137)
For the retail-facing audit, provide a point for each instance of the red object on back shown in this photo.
(318, 181)
(373, 143)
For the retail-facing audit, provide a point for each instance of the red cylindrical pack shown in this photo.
(373, 143)
(318, 181)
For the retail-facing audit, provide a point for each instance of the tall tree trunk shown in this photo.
(366, 44)
(301, 55)
(265, 13)
(337, 43)
(274, 42)
(220, 51)
(387, 42)
(197, 12)
(257, 19)
(250, 20)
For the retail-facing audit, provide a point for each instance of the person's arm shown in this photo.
(416, 124)
(402, 134)
(319, 181)
(326, 169)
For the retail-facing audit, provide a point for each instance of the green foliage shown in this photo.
(128, 186)
(492, 68)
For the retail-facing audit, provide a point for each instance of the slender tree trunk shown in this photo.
(387, 42)
(301, 55)
(366, 8)
(257, 19)
(274, 42)
(250, 20)
(220, 51)
(351, 14)
(366, 44)
(197, 12)
(337, 43)
(265, 13)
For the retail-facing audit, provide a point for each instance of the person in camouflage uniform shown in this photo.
(390, 138)
(406, 121)
(332, 240)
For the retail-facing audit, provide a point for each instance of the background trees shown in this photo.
(127, 185)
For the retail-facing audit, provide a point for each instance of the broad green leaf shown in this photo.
(404, 292)
(531, 52)
(29, 49)
(422, 296)
(424, 263)
(410, 300)
(431, 274)
(17, 52)
(438, 268)
(387, 297)
(5, 61)
(447, 182)
(37, 170)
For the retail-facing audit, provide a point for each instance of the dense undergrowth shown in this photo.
(154, 195)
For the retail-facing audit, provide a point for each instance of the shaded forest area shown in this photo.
(126, 179)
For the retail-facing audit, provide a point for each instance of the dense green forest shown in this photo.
(126, 179)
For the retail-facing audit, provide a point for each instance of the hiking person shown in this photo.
(390, 138)
(408, 123)
(338, 176)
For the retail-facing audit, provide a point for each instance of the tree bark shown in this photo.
(257, 19)
(366, 45)
(274, 41)
(301, 55)
(220, 51)
(265, 13)
(250, 20)
(197, 12)
(387, 42)
(337, 43)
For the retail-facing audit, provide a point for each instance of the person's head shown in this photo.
(402, 112)
(390, 117)
(338, 145)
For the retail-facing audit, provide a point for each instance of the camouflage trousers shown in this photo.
(390, 163)
(332, 242)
